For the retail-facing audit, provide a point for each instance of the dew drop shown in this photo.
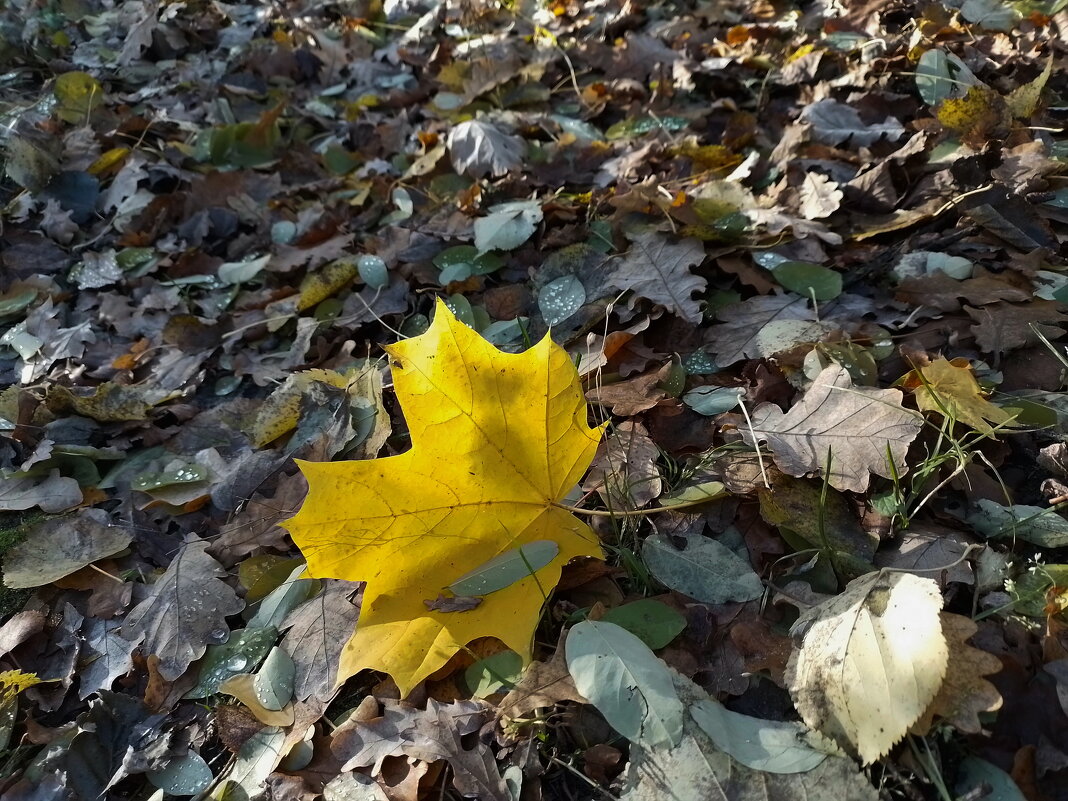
(236, 662)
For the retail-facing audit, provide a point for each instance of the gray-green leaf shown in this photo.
(706, 570)
(625, 681)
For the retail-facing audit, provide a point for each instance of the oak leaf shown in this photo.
(859, 427)
(658, 269)
(965, 694)
(498, 440)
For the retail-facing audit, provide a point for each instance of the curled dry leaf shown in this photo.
(624, 471)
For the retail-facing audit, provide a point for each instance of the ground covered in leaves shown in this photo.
(807, 261)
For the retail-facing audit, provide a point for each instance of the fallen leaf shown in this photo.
(822, 520)
(624, 471)
(924, 547)
(949, 388)
(316, 633)
(1001, 327)
(107, 402)
(965, 694)
(479, 480)
(54, 494)
(833, 123)
(820, 196)
(871, 660)
(1023, 100)
(738, 337)
(697, 769)
(855, 427)
(432, 734)
(543, 684)
(61, 546)
(625, 681)
(477, 147)
(186, 610)
(629, 397)
(658, 270)
(508, 225)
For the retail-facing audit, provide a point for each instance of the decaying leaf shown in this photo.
(316, 633)
(857, 428)
(870, 662)
(432, 734)
(62, 545)
(965, 693)
(739, 335)
(55, 493)
(185, 612)
(820, 196)
(624, 471)
(657, 269)
(479, 480)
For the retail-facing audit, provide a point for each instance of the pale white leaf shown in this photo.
(820, 196)
(477, 147)
(833, 123)
(870, 662)
(507, 226)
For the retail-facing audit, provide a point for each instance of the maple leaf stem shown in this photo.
(631, 512)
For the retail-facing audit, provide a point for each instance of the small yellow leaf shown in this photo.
(1023, 100)
(325, 282)
(242, 687)
(950, 388)
(980, 113)
(498, 439)
(108, 161)
(871, 661)
(278, 414)
(13, 682)
(78, 94)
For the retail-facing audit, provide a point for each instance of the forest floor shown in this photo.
(805, 262)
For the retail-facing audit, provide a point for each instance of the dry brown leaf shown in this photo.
(624, 470)
(820, 196)
(629, 397)
(543, 684)
(965, 693)
(855, 427)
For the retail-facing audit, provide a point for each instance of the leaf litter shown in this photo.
(809, 268)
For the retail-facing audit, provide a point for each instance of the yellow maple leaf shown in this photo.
(498, 440)
(950, 388)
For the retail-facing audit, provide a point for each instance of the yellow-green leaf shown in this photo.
(78, 94)
(949, 388)
(498, 440)
(1023, 100)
